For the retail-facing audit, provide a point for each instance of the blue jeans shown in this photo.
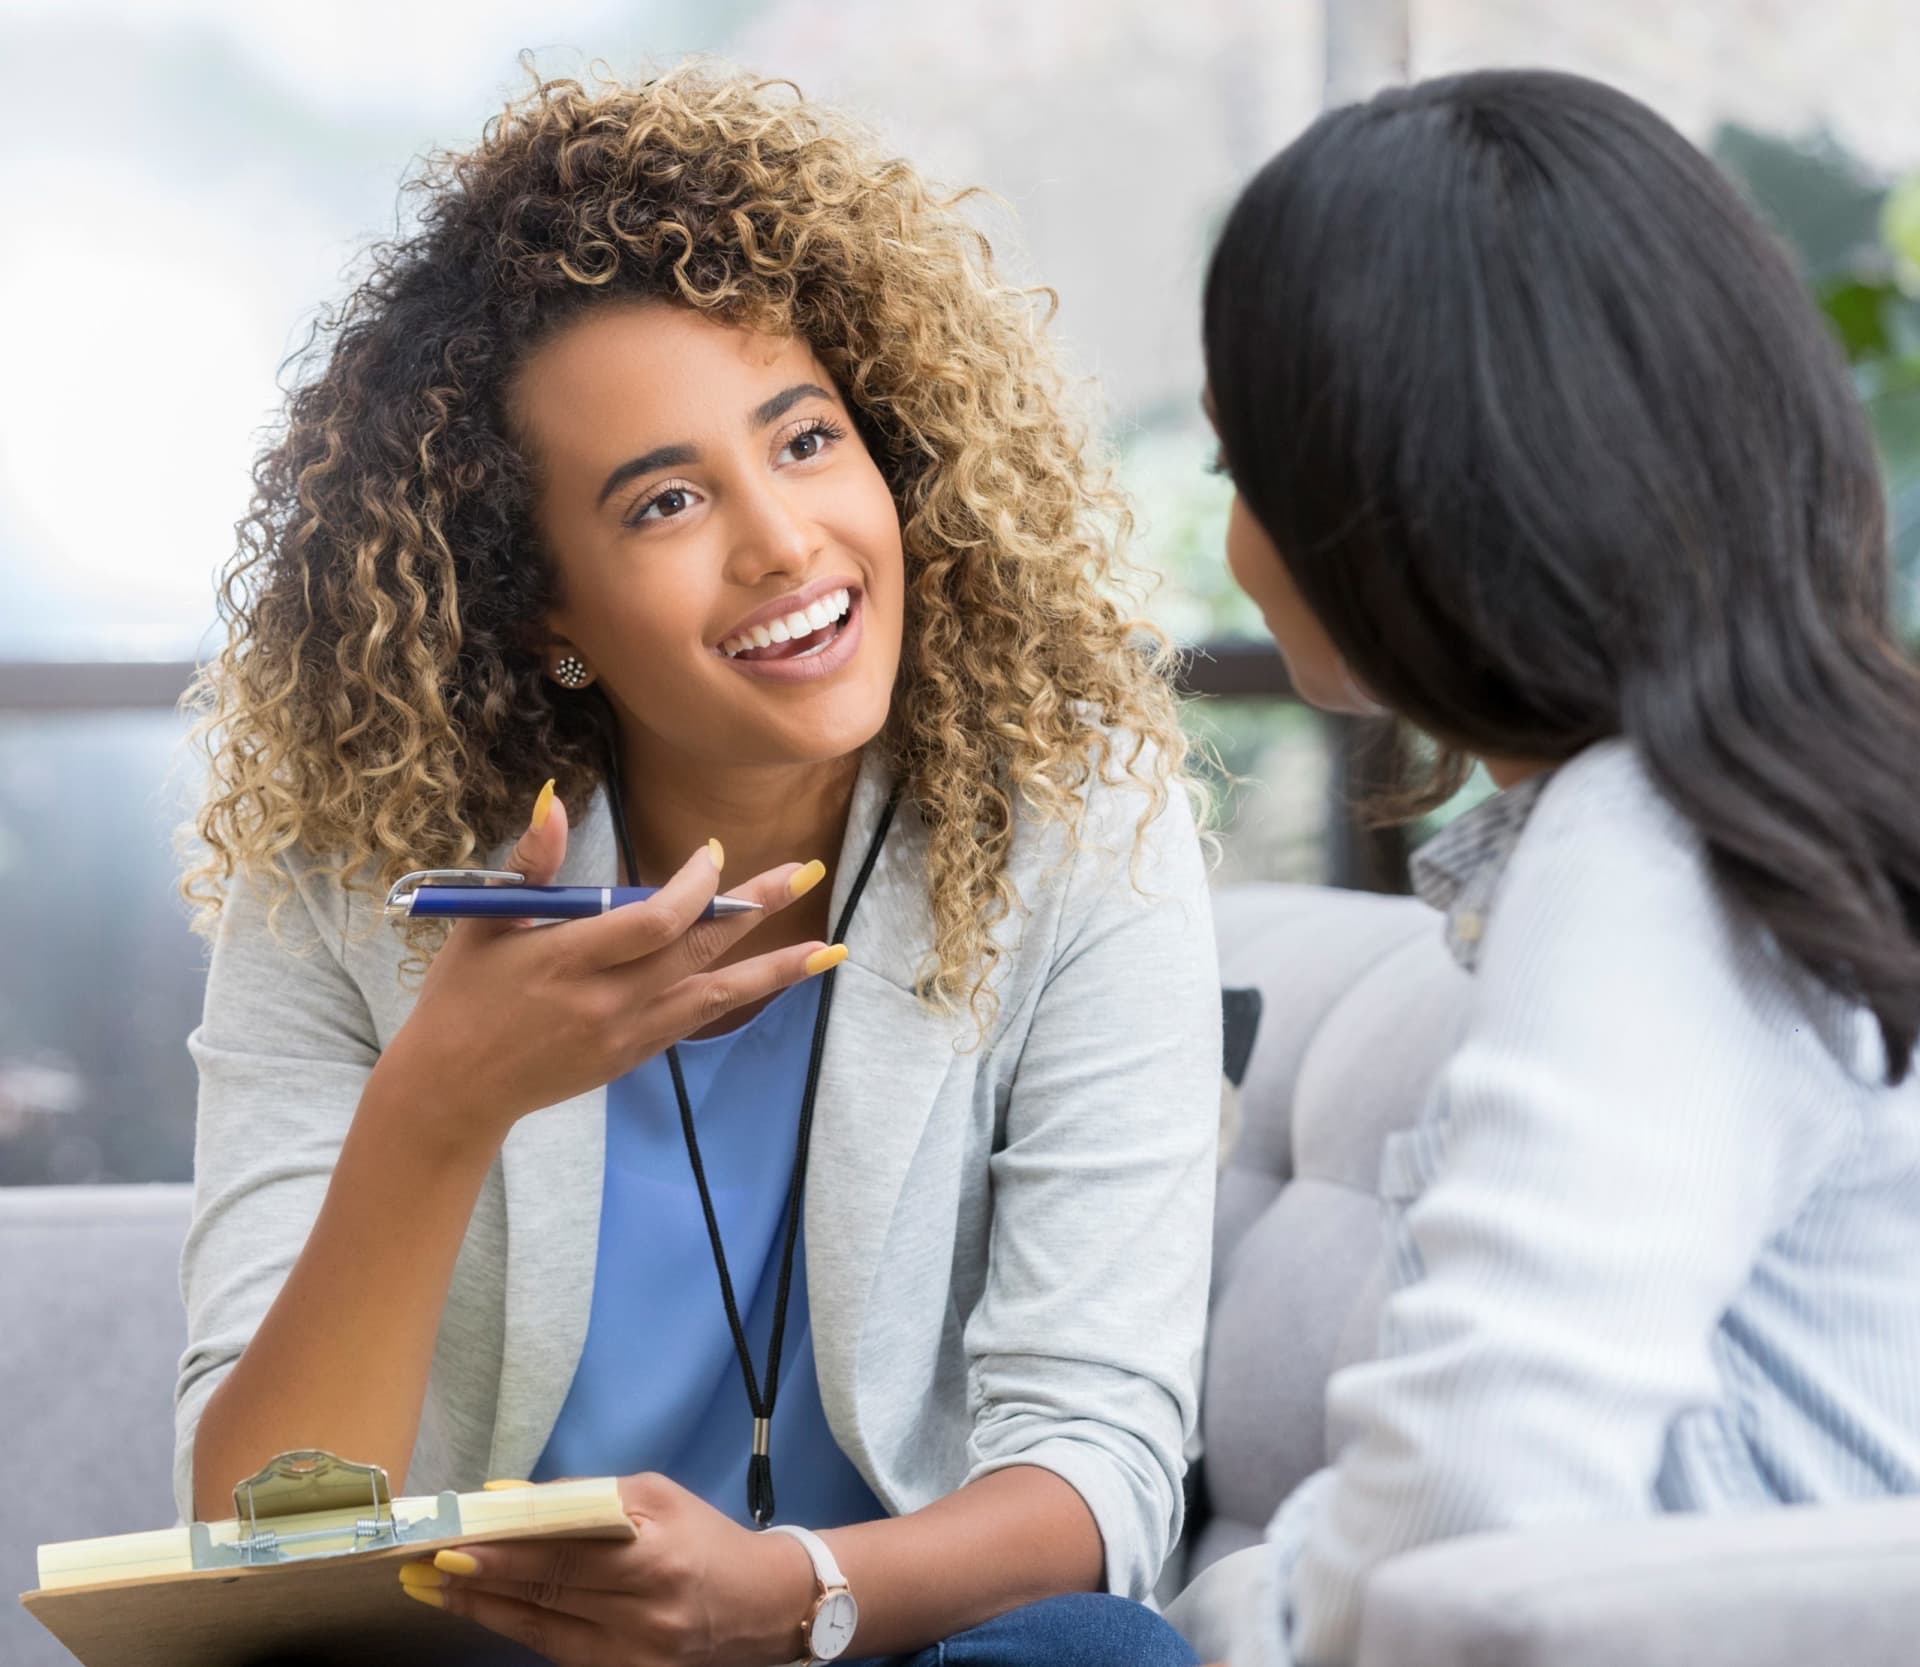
(1082, 1629)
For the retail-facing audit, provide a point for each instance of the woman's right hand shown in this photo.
(512, 1016)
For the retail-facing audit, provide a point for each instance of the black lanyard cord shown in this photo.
(759, 1461)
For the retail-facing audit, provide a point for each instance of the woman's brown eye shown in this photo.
(811, 441)
(663, 506)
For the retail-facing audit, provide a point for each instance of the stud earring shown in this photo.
(571, 672)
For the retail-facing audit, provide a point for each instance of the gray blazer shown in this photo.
(1007, 1243)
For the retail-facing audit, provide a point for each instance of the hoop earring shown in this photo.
(571, 672)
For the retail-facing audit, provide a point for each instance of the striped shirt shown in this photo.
(1654, 1237)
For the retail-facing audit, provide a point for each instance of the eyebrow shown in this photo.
(782, 403)
(675, 456)
(661, 457)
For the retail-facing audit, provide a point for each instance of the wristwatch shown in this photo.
(828, 1628)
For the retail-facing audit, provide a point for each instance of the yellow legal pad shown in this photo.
(307, 1566)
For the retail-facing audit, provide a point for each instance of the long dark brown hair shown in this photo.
(1553, 442)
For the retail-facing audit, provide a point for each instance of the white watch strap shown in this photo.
(825, 1570)
(824, 1567)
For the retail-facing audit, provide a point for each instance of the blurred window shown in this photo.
(99, 979)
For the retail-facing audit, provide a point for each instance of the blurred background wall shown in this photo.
(185, 181)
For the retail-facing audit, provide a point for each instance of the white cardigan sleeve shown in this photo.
(284, 1047)
(1083, 1351)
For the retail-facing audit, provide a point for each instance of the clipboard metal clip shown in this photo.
(306, 1482)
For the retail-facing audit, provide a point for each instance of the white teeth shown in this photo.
(801, 623)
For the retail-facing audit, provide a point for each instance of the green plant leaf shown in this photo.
(1857, 309)
(1900, 230)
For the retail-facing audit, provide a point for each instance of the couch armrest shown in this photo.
(1787, 1588)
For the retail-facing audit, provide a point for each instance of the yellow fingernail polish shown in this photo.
(824, 960)
(426, 1594)
(807, 879)
(541, 807)
(718, 852)
(456, 1562)
(421, 1574)
(502, 1484)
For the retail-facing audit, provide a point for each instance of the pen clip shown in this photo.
(400, 897)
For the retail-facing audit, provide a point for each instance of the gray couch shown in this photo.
(1361, 1003)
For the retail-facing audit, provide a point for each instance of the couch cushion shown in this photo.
(1362, 1003)
(93, 1326)
(1284, 1310)
(1808, 1585)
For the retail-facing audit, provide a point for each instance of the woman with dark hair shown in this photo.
(1540, 447)
(687, 457)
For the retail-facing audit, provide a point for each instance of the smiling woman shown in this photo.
(700, 569)
(690, 460)
(731, 204)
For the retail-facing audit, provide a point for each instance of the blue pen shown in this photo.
(501, 894)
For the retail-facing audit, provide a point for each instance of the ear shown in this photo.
(555, 650)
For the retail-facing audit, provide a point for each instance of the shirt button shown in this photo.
(1468, 924)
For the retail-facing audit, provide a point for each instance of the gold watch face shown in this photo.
(833, 1625)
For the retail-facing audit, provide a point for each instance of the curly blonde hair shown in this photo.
(379, 705)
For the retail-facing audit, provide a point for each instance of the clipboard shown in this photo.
(306, 1570)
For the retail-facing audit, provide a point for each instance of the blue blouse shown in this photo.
(658, 1385)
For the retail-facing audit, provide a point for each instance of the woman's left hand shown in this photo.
(693, 1587)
